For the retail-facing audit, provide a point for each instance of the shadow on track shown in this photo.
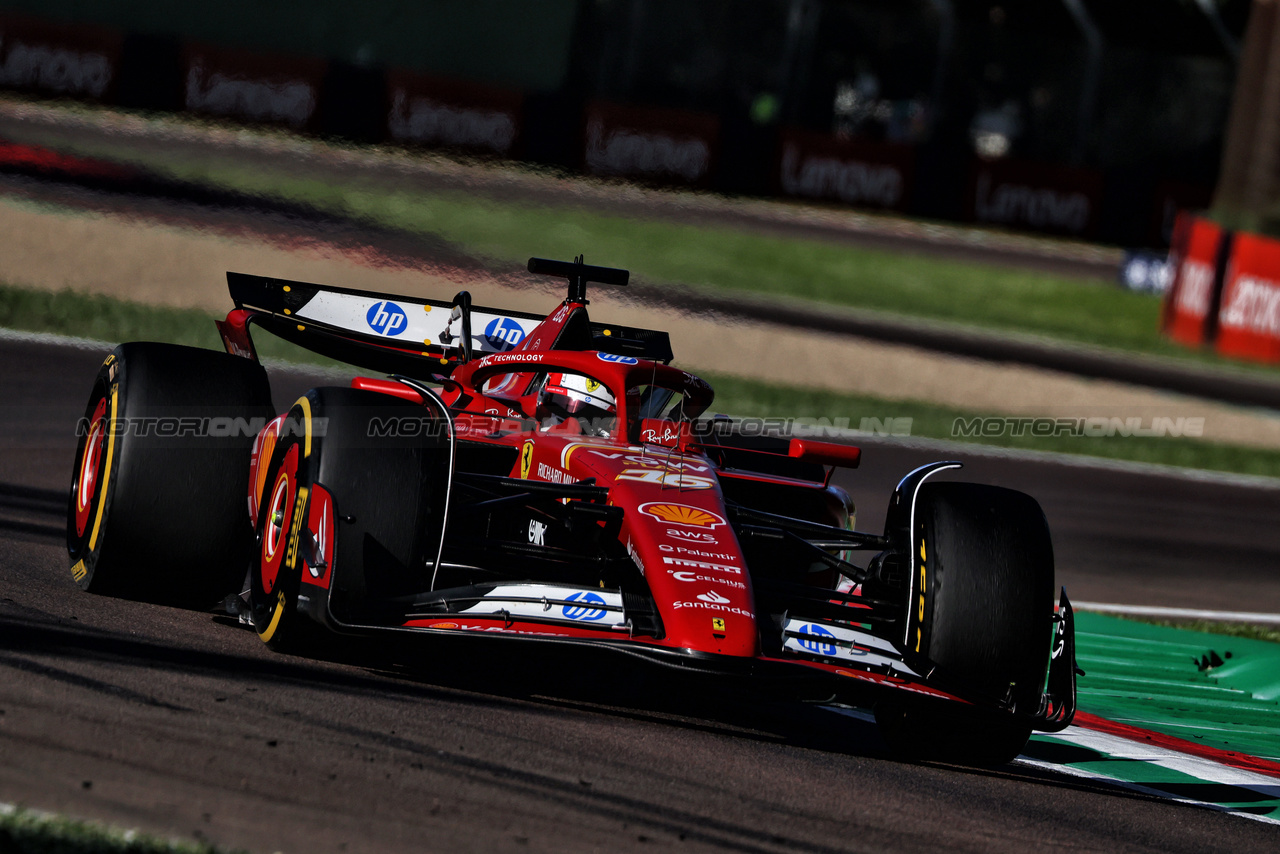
(37, 513)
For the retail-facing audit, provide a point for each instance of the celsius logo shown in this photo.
(386, 318)
(621, 360)
(816, 646)
(582, 611)
(503, 333)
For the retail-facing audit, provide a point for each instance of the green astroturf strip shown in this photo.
(707, 254)
(1210, 689)
(1215, 690)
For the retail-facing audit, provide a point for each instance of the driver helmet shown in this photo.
(574, 395)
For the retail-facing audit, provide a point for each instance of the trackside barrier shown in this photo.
(823, 166)
(655, 144)
(56, 58)
(1225, 292)
(258, 87)
(453, 114)
(1190, 308)
(449, 75)
(1249, 317)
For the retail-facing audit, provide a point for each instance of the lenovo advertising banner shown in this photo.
(1037, 196)
(672, 146)
(453, 114)
(1249, 319)
(863, 173)
(1189, 304)
(58, 59)
(254, 87)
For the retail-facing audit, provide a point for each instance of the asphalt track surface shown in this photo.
(180, 723)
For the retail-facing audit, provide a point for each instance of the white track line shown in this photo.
(1119, 748)
(54, 339)
(1116, 747)
(1137, 787)
(1178, 613)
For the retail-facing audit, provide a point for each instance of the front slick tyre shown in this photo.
(388, 493)
(982, 612)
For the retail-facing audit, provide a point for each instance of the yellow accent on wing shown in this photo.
(78, 571)
(306, 424)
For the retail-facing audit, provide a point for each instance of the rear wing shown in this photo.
(409, 335)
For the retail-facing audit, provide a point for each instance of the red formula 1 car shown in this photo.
(555, 480)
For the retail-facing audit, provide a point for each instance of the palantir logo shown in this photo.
(582, 611)
(503, 333)
(387, 318)
(817, 647)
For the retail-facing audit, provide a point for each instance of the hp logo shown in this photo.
(617, 360)
(387, 318)
(583, 611)
(503, 333)
(815, 646)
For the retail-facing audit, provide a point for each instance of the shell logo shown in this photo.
(682, 514)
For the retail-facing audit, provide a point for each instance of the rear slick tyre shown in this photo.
(157, 503)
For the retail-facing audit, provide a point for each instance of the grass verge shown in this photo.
(707, 255)
(105, 318)
(931, 421)
(110, 319)
(27, 832)
(721, 258)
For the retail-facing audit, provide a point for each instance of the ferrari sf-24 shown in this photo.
(556, 480)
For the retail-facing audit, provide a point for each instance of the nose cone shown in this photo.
(695, 569)
(676, 530)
